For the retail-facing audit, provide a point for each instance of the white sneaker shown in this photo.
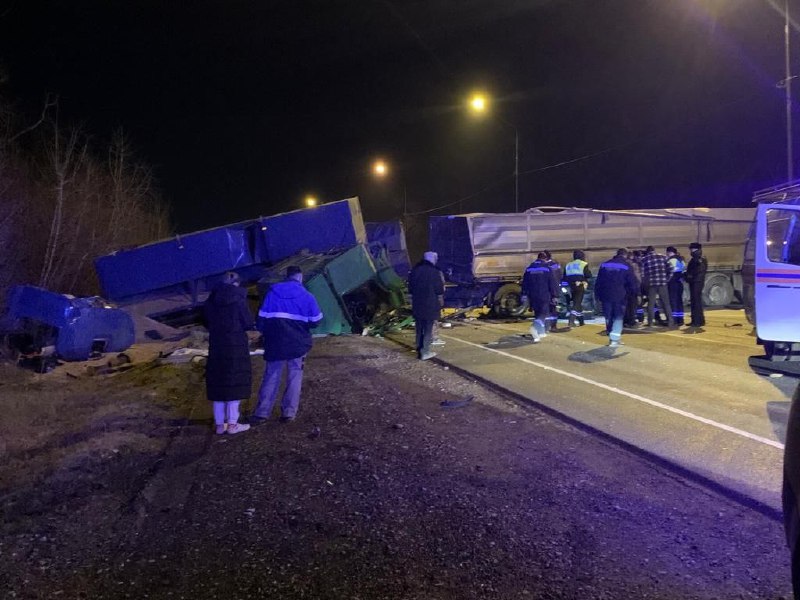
(438, 342)
(237, 427)
(428, 355)
(614, 344)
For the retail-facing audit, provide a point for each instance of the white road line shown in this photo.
(673, 334)
(672, 409)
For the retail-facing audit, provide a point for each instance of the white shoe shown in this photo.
(237, 427)
(536, 340)
(543, 334)
(427, 355)
(614, 344)
(438, 342)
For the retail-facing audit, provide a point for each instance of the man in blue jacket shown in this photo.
(539, 286)
(427, 297)
(285, 319)
(615, 282)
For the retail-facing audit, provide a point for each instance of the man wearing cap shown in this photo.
(285, 319)
(427, 297)
(696, 278)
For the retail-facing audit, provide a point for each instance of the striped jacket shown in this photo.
(285, 319)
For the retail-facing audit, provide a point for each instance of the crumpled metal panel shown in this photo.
(80, 322)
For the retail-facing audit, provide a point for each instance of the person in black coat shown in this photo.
(427, 297)
(228, 370)
(696, 278)
(615, 283)
(539, 287)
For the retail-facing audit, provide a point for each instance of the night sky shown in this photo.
(244, 107)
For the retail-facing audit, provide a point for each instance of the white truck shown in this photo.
(771, 272)
(483, 255)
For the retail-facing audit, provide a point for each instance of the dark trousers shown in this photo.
(576, 290)
(675, 292)
(696, 303)
(424, 329)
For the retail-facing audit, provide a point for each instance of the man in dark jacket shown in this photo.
(427, 297)
(539, 286)
(555, 268)
(615, 282)
(285, 319)
(696, 278)
(228, 370)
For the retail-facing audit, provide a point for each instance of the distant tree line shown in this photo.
(66, 199)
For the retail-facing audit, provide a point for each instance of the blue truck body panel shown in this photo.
(196, 259)
(80, 323)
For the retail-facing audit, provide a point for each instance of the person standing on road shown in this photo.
(426, 286)
(285, 320)
(539, 286)
(228, 369)
(675, 284)
(615, 283)
(577, 274)
(655, 274)
(696, 278)
(634, 309)
(558, 276)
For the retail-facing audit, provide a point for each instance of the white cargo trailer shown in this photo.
(484, 254)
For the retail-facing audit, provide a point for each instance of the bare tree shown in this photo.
(65, 158)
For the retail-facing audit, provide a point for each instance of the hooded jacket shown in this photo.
(228, 370)
(425, 286)
(286, 318)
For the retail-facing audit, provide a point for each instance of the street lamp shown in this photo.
(479, 104)
(311, 201)
(787, 85)
(380, 168)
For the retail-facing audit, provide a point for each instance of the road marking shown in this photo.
(616, 390)
(694, 337)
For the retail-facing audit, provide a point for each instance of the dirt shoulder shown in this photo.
(377, 490)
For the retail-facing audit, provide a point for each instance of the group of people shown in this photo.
(630, 286)
(285, 319)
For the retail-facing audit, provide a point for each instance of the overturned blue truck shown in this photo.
(164, 283)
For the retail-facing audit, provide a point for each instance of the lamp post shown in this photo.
(479, 104)
(787, 85)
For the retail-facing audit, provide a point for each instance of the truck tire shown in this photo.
(718, 291)
(507, 301)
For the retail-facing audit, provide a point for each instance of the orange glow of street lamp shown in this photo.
(380, 168)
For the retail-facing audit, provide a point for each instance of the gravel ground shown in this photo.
(399, 479)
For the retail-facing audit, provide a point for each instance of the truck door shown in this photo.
(777, 280)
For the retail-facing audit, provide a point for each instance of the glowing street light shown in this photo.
(479, 104)
(311, 201)
(380, 168)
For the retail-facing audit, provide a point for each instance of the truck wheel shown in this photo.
(507, 301)
(718, 291)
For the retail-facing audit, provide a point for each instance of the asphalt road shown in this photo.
(688, 398)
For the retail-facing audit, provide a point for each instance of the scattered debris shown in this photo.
(456, 403)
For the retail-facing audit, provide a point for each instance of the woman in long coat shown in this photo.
(228, 370)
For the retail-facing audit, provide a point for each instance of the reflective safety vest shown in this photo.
(678, 266)
(575, 267)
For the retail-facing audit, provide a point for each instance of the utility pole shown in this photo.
(787, 84)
